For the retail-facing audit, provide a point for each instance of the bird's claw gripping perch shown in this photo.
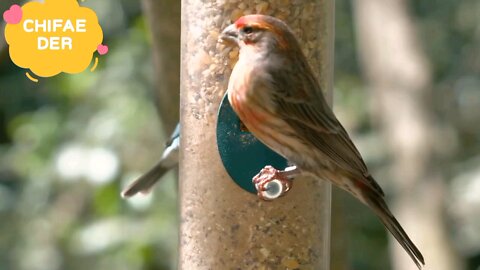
(272, 183)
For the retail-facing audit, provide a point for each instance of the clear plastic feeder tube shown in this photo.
(222, 226)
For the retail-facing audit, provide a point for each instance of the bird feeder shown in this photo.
(224, 225)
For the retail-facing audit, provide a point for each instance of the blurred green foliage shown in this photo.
(68, 144)
(449, 34)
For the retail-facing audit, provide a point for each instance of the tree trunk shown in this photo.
(164, 21)
(400, 78)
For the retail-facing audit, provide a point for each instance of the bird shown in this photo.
(275, 94)
(169, 159)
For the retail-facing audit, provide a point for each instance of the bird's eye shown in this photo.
(248, 29)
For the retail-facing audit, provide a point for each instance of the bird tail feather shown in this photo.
(145, 182)
(377, 203)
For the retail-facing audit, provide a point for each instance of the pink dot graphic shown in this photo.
(13, 15)
(102, 49)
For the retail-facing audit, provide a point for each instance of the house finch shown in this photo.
(275, 94)
(169, 159)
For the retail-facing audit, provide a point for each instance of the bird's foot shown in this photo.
(272, 183)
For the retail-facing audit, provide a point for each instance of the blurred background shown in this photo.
(407, 87)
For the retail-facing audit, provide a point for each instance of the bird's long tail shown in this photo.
(377, 203)
(145, 182)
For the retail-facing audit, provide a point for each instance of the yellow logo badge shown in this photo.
(53, 37)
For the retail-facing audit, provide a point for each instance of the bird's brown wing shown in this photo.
(301, 104)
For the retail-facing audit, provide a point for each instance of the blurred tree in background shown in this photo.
(68, 144)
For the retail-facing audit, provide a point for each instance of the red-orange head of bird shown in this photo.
(261, 31)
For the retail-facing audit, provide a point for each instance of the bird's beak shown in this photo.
(229, 34)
